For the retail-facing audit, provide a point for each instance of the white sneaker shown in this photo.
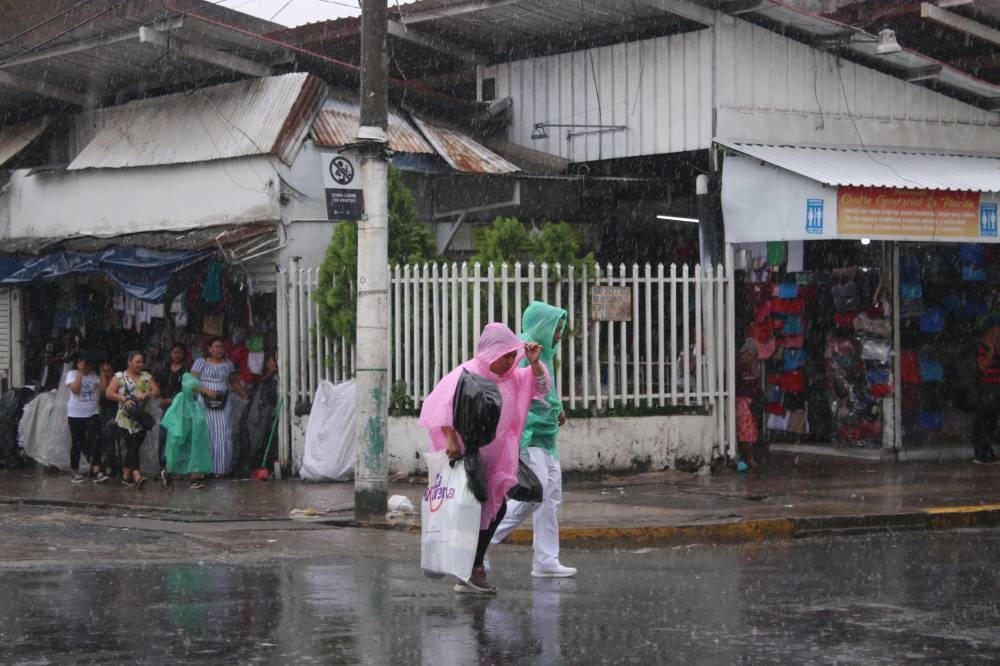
(555, 571)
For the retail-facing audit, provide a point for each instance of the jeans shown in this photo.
(83, 432)
(133, 442)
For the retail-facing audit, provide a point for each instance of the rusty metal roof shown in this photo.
(267, 116)
(16, 138)
(337, 126)
(461, 152)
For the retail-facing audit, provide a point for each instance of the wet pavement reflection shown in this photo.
(914, 598)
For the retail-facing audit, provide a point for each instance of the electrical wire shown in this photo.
(108, 10)
(44, 23)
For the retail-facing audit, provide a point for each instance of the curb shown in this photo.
(936, 518)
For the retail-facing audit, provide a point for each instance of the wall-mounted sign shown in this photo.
(877, 211)
(341, 180)
(611, 304)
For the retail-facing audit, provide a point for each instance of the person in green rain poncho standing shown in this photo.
(188, 449)
(544, 325)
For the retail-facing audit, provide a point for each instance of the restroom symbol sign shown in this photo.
(814, 216)
(988, 220)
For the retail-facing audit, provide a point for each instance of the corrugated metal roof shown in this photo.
(16, 138)
(461, 152)
(880, 168)
(337, 126)
(93, 48)
(864, 45)
(200, 238)
(269, 115)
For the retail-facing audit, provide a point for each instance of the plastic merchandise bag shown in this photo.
(476, 410)
(329, 453)
(874, 350)
(449, 520)
(43, 432)
(528, 488)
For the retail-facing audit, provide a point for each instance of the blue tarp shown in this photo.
(141, 272)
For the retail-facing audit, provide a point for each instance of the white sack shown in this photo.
(329, 454)
(44, 431)
(449, 520)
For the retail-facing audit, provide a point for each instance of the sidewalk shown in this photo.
(791, 496)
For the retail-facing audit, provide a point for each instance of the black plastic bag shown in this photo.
(476, 476)
(476, 412)
(528, 488)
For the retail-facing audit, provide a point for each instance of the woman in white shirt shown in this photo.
(83, 413)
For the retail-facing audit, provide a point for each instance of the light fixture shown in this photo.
(674, 218)
(887, 42)
(866, 241)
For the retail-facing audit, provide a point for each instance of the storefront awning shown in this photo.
(142, 264)
(880, 168)
(775, 193)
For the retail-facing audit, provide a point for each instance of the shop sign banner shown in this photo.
(611, 304)
(342, 180)
(909, 214)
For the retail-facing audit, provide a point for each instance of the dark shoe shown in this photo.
(100, 477)
(986, 460)
(479, 583)
(128, 483)
(140, 482)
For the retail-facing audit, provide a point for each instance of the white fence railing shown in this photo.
(673, 353)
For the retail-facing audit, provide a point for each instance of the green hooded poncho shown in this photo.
(188, 450)
(539, 324)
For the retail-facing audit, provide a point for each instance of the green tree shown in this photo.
(558, 244)
(507, 241)
(409, 242)
(335, 293)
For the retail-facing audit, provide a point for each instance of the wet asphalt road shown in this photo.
(82, 588)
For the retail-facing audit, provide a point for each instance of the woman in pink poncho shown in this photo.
(497, 357)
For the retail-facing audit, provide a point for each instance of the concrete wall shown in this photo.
(614, 444)
(609, 445)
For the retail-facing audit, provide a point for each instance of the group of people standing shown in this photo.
(110, 413)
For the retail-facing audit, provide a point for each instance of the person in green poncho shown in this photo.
(188, 450)
(542, 324)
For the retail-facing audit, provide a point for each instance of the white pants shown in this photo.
(545, 521)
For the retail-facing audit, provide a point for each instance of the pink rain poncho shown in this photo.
(517, 389)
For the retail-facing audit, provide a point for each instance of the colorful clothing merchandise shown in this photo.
(215, 377)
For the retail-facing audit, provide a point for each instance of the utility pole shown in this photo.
(371, 476)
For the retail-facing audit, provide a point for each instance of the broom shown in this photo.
(262, 473)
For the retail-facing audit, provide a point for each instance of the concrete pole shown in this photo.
(371, 475)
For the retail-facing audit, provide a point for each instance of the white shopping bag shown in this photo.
(449, 520)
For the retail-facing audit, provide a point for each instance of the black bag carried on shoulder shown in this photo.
(140, 416)
(476, 410)
(528, 488)
(217, 401)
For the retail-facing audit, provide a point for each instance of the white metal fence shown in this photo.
(675, 351)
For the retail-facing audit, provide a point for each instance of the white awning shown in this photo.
(880, 167)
